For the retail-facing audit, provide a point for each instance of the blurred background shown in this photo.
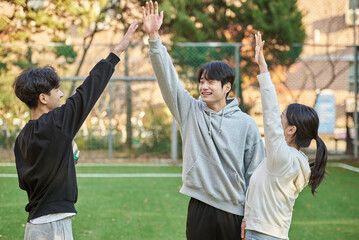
(310, 47)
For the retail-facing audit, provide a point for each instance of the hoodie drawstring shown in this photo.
(210, 124)
(220, 124)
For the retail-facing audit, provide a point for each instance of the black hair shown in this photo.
(217, 70)
(32, 82)
(306, 121)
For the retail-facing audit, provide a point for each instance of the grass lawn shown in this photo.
(152, 208)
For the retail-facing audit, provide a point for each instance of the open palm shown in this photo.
(126, 39)
(259, 57)
(152, 21)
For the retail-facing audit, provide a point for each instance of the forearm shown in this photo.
(263, 68)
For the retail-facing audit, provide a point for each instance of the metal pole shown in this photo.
(110, 137)
(174, 141)
(355, 82)
(129, 107)
(237, 71)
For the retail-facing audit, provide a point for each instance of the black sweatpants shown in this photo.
(205, 222)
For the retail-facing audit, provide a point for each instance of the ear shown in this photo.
(42, 98)
(292, 130)
(228, 87)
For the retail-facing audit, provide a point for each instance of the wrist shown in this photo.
(154, 35)
(263, 68)
(117, 50)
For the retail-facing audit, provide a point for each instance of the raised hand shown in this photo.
(259, 56)
(126, 39)
(152, 21)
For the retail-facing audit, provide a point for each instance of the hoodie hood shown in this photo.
(231, 107)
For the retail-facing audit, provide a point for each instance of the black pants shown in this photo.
(205, 222)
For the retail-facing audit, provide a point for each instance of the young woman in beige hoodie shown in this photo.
(282, 175)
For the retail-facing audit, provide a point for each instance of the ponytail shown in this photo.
(318, 167)
(306, 121)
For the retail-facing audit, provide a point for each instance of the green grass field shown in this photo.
(152, 207)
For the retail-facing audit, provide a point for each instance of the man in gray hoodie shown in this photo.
(221, 145)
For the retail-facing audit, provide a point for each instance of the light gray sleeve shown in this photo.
(253, 156)
(176, 97)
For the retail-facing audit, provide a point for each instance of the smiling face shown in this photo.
(213, 93)
(53, 99)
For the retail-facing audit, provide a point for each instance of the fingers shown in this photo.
(125, 41)
(161, 15)
(134, 24)
(147, 9)
(243, 227)
(151, 8)
(259, 42)
(156, 8)
(144, 12)
(258, 37)
(132, 27)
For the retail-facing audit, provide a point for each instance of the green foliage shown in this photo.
(28, 28)
(191, 58)
(66, 51)
(281, 24)
(237, 21)
(156, 129)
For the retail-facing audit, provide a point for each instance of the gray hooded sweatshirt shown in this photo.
(220, 149)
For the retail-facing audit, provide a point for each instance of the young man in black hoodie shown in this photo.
(43, 150)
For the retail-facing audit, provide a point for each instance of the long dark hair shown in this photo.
(307, 122)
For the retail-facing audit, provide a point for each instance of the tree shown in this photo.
(237, 21)
(37, 21)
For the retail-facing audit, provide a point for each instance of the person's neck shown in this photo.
(37, 112)
(217, 106)
(293, 144)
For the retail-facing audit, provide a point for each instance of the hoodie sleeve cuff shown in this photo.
(113, 59)
(265, 80)
(155, 45)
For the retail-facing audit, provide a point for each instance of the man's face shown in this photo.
(211, 91)
(54, 98)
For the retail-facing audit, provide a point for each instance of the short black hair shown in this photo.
(32, 82)
(217, 70)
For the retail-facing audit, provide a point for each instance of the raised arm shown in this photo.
(176, 97)
(72, 114)
(277, 150)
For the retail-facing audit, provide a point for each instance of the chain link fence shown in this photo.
(131, 120)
